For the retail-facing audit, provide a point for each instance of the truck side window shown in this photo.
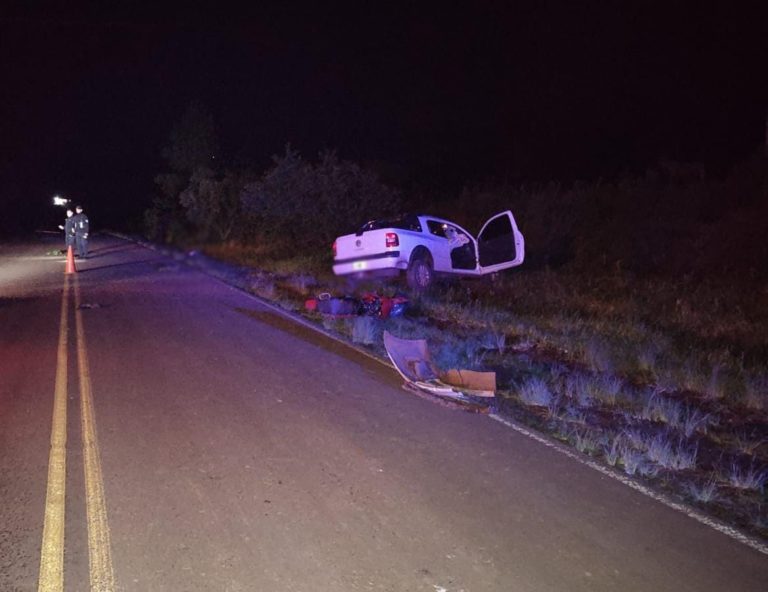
(411, 222)
(436, 228)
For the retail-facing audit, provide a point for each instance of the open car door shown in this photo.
(500, 244)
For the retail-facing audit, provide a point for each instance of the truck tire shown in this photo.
(420, 274)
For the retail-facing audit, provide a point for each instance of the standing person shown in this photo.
(69, 230)
(81, 232)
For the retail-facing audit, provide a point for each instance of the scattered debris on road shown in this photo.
(87, 305)
(369, 304)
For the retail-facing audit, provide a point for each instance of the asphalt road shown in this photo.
(227, 451)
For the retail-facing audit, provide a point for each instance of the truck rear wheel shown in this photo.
(420, 274)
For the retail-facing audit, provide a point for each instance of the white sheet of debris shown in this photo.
(412, 360)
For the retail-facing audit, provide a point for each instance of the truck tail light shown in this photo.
(392, 240)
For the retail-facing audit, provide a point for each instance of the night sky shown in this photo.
(430, 95)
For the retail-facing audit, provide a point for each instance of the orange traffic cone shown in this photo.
(70, 261)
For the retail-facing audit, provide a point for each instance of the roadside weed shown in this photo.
(705, 375)
(760, 522)
(631, 459)
(467, 352)
(365, 330)
(606, 388)
(597, 355)
(406, 328)
(662, 409)
(747, 444)
(535, 392)
(665, 453)
(634, 438)
(291, 305)
(577, 389)
(494, 340)
(694, 420)
(301, 282)
(501, 342)
(648, 469)
(574, 414)
(714, 388)
(756, 392)
(554, 405)
(586, 442)
(647, 356)
(474, 352)
(612, 452)
(263, 285)
(705, 493)
(329, 324)
(747, 478)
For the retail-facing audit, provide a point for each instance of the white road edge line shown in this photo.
(720, 527)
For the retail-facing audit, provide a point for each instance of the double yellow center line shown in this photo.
(52, 551)
(102, 577)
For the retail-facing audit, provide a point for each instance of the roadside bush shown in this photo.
(312, 203)
(212, 202)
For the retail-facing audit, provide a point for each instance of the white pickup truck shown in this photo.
(423, 246)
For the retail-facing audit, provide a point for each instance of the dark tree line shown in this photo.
(296, 202)
(673, 219)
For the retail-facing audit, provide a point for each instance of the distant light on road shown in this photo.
(59, 201)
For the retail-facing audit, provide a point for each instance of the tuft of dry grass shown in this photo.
(751, 477)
